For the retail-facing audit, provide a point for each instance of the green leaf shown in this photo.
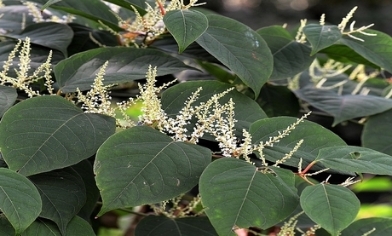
(221, 73)
(46, 133)
(84, 36)
(321, 36)
(140, 5)
(94, 10)
(20, 200)
(48, 3)
(237, 195)
(314, 135)
(382, 226)
(63, 194)
(12, 18)
(77, 226)
(376, 132)
(376, 49)
(355, 159)
(125, 64)
(278, 101)
(246, 111)
(343, 107)
(146, 167)
(333, 207)
(85, 170)
(60, 35)
(342, 53)
(191, 226)
(5, 226)
(290, 57)
(186, 26)
(251, 60)
(38, 55)
(8, 97)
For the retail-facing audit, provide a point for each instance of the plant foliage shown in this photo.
(223, 152)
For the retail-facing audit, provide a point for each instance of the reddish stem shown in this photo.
(163, 12)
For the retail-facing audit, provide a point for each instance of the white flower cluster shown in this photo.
(151, 24)
(23, 80)
(97, 99)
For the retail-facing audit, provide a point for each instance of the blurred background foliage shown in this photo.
(259, 13)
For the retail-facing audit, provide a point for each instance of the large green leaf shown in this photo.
(60, 35)
(20, 200)
(290, 57)
(146, 166)
(251, 59)
(237, 195)
(125, 64)
(333, 207)
(191, 226)
(315, 138)
(321, 36)
(8, 97)
(376, 49)
(49, 132)
(355, 159)
(185, 26)
(382, 226)
(63, 194)
(246, 111)
(376, 132)
(77, 226)
(343, 107)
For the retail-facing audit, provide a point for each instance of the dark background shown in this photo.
(260, 13)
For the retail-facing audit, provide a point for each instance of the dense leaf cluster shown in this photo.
(61, 166)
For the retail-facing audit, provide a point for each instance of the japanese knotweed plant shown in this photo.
(202, 157)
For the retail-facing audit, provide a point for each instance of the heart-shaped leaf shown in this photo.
(185, 26)
(237, 195)
(125, 64)
(355, 159)
(146, 167)
(251, 61)
(191, 226)
(8, 97)
(46, 133)
(321, 36)
(20, 200)
(290, 56)
(63, 194)
(333, 207)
